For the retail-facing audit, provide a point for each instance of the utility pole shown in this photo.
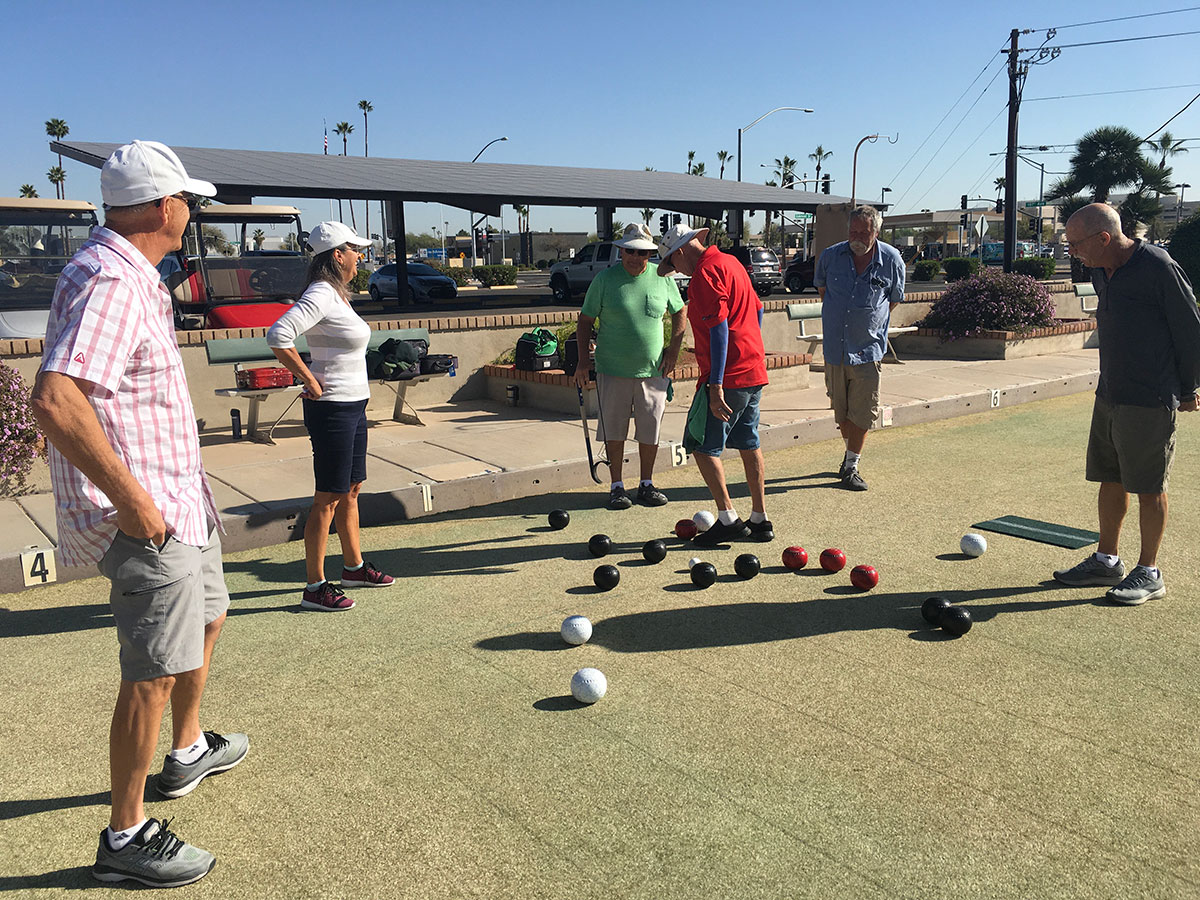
(1010, 156)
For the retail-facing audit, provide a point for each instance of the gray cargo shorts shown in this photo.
(162, 598)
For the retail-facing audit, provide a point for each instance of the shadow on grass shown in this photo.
(16, 809)
(734, 624)
(74, 878)
(563, 703)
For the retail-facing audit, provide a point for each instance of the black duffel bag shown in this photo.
(437, 363)
(537, 351)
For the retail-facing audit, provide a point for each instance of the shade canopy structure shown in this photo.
(482, 187)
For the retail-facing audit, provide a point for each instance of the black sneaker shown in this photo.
(852, 481)
(720, 533)
(762, 531)
(155, 857)
(618, 499)
(649, 495)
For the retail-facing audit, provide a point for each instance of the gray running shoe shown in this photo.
(852, 481)
(649, 495)
(1138, 587)
(155, 857)
(223, 753)
(618, 499)
(1091, 571)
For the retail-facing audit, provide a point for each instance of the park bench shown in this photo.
(242, 352)
(806, 312)
(1083, 291)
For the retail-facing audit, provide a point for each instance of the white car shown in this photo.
(569, 277)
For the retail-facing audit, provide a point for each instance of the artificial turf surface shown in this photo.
(787, 736)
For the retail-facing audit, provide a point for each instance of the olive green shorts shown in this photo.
(1132, 446)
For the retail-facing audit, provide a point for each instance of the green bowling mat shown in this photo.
(1042, 532)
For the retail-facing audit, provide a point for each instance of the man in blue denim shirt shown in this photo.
(860, 280)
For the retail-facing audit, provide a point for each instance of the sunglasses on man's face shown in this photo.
(191, 201)
(636, 252)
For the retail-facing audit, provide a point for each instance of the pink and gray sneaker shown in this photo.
(326, 598)
(367, 576)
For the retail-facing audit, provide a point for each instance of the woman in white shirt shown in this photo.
(336, 391)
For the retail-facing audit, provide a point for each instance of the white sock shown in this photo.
(188, 755)
(354, 568)
(316, 584)
(728, 516)
(1109, 561)
(1153, 570)
(618, 484)
(851, 460)
(118, 839)
(646, 482)
(756, 516)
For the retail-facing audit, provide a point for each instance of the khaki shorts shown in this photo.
(1131, 445)
(854, 393)
(161, 599)
(643, 399)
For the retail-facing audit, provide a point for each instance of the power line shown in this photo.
(1170, 120)
(1165, 87)
(945, 140)
(1165, 12)
(1145, 37)
(966, 90)
(950, 167)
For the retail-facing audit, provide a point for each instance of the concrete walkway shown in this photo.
(475, 453)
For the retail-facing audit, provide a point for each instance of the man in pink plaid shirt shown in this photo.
(131, 496)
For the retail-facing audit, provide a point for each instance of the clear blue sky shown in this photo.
(604, 85)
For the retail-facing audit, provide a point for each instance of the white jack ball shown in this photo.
(973, 544)
(588, 685)
(704, 520)
(576, 630)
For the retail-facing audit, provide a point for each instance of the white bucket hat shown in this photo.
(146, 170)
(330, 235)
(676, 237)
(636, 237)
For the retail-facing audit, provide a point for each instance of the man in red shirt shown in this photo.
(726, 319)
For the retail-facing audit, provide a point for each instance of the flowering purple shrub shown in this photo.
(20, 440)
(991, 301)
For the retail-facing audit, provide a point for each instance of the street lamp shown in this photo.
(477, 155)
(1179, 205)
(803, 109)
(882, 198)
(854, 171)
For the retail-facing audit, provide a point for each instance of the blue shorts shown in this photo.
(741, 431)
(338, 432)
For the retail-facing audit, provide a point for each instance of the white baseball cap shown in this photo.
(144, 171)
(329, 235)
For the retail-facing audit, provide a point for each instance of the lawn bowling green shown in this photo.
(786, 736)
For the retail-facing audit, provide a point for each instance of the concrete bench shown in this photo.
(1083, 291)
(244, 352)
(806, 312)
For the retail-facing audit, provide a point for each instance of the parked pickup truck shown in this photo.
(571, 277)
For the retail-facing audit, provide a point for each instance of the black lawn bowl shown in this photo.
(559, 519)
(600, 545)
(654, 551)
(606, 577)
(933, 608)
(704, 575)
(747, 565)
(956, 621)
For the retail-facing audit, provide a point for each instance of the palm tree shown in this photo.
(723, 157)
(345, 129)
(819, 156)
(1105, 158)
(691, 159)
(57, 129)
(28, 190)
(647, 215)
(57, 176)
(1167, 146)
(366, 107)
(698, 169)
(259, 237)
(785, 171)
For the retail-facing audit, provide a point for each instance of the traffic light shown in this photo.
(825, 183)
(963, 202)
(677, 218)
(962, 220)
(663, 223)
(999, 204)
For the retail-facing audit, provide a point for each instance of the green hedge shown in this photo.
(460, 274)
(926, 269)
(358, 283)
(1035, 266)
(489, 276)
(959, 267)
(1185, 247)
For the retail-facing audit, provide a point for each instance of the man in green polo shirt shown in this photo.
(632, 367)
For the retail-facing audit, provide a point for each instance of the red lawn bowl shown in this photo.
(833, 560)
(864, 577)
(686, 528)
(795, 558)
